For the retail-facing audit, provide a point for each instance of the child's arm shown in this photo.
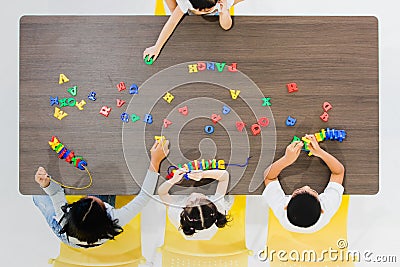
(291, 155)
(166, 32)
(225, 20)
(336, 168)
(222, 176)
(158, 152)
(163, 190)
(53, 190)
(171, 5)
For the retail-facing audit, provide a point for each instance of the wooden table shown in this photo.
(332, 59)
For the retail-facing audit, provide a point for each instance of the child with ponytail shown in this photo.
(197, 215)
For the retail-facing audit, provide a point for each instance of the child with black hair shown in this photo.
(90, 222)
(305, 211)
(179, 8)
(197, 215)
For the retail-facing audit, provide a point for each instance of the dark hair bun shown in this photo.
(221, 220)
(188, 230)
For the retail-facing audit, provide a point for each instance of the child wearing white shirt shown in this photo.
(179, 8)
(197, 215)
(305, 211)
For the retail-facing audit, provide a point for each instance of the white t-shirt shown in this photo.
(223, 204)
(186, 6)
(330, 201)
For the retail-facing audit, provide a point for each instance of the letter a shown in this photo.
(234, 93)
(63, 79)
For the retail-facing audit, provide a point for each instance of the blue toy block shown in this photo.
(186, 176)
(148, 119)
(209, 129)
(65, 155)
(225, 110)
(210, 65)
(134, 89)
(81, 165)
(330, 134)
(343, 133)
(53, 100)
(290, 121)
(125, 117)
(92, 96)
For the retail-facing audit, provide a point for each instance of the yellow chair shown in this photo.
(124, 251)
(159, 8)
(333, 237)
(226, 248)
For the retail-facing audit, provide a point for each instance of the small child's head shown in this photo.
(304, 208)
(88, 221)
(204, 5)
(199, 214)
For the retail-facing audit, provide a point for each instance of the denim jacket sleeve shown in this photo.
(57, 195)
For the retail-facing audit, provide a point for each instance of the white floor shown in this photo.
(373, 221)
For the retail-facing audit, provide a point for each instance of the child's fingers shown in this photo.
(166, 151)
(145, 53)
(166, 143)
(312, 139)
(155, 145)
(313, 144)
(180, 172)
(298, 146)
(291, 145)
(41, 171)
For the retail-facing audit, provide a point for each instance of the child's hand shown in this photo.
(152, 51)
(293, 151)
(158, 152)
(42, 178)
(314, 146)
(178, 175)
(223, 6)
(196, 175)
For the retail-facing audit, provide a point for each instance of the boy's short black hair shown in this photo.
(203, 4)
(303, 210)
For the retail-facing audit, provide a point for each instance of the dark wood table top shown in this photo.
(332, 59)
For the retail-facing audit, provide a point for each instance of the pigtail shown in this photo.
(221, 219)
(187, 224)
(188, 230)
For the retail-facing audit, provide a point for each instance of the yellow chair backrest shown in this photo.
(226, 248)
(300, 248)
(124, 251)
